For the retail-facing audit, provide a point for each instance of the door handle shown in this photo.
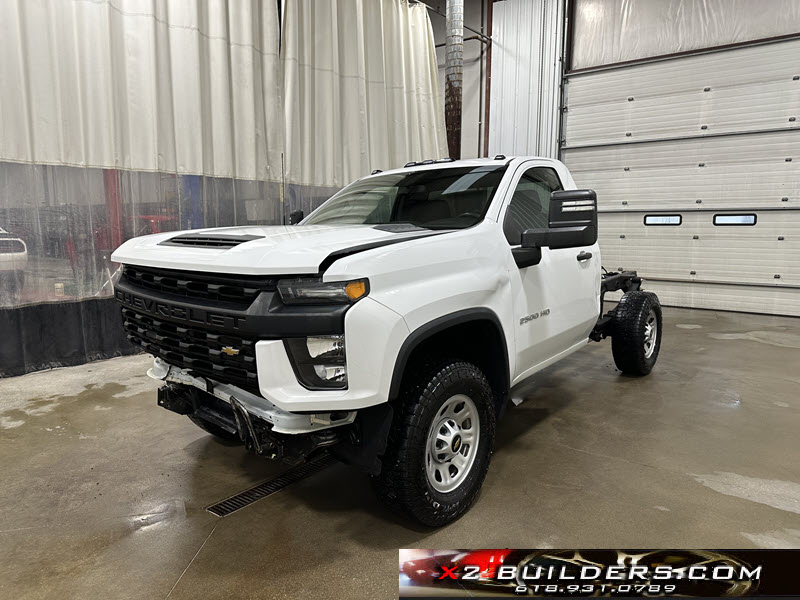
(584, 256)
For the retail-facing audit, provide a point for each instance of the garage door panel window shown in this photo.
(660, 220)
(735, 220)
(530, 205)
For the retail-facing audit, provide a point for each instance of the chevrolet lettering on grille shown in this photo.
(191, 315)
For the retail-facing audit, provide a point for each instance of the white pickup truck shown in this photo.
(390, 325)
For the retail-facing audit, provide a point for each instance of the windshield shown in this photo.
(453, 198)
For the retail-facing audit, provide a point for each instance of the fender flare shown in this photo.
(439, 324)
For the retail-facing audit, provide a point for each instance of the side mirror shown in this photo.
(295, 217)
(527, 256)
(572, 222)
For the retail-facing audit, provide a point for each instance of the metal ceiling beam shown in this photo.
(486, 38)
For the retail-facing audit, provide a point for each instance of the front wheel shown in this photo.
(440, 444)
(636, 335)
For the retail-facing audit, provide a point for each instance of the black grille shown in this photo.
(195, 348)
(241, 290)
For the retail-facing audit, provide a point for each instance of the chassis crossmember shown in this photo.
(613, 281)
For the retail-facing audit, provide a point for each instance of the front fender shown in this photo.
(438, 325)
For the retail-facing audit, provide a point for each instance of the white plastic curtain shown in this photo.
(610, 31)
(125, 117)
(361, 89)
(175, 86)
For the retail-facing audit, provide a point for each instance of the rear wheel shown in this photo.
(440, 444)
(636, 336)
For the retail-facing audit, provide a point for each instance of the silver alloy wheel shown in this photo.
(650, 334)
(452, 443)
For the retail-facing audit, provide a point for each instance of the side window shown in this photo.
(530, 205)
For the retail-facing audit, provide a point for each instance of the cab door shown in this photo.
(556, 302)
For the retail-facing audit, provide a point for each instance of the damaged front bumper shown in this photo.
(261, 408)
(264, 427)
(270, 431)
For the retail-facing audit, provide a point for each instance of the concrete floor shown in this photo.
(103, 493)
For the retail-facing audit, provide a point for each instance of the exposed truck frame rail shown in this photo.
(613, 281)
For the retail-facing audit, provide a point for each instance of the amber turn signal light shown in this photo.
(355, 290)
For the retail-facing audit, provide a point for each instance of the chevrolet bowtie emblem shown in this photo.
(230, 351)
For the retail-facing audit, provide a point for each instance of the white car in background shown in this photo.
(13, 260)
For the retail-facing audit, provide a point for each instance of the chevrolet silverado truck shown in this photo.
(390, 325)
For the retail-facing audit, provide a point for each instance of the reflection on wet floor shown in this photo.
(104, 493)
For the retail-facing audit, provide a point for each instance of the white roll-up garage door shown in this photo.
(696, 164)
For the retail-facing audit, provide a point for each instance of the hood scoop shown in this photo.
(209, 240)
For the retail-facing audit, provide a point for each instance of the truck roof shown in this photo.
(467, 162)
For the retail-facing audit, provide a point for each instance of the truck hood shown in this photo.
(273, 250)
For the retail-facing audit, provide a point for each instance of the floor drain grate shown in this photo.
(262, 490)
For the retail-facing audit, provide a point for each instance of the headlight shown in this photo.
(319, 362)
(314, 291)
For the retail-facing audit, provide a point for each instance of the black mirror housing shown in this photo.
(573, 208)
(295, 217)
(572, 220)
(526, 257)
(562, 237)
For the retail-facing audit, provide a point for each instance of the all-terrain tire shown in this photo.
(635, 316)
(215, 430)
(403, 483)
